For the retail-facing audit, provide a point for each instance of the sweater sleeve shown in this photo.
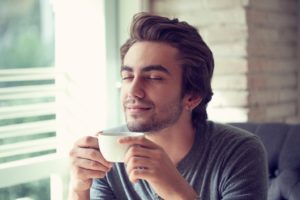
(101, 190)
(245, 173)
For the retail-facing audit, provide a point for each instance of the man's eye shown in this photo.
(155, 78)
(127, 77)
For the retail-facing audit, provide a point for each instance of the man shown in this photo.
(166, 84)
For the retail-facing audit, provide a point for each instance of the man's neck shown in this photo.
(176, 140)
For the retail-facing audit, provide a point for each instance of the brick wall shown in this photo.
(272, 60)
(255, 49)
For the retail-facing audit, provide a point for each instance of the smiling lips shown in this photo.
(137, 109)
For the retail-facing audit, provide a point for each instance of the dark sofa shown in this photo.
(282, 143)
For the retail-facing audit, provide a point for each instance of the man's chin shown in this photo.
(135, 127)
(138, 126)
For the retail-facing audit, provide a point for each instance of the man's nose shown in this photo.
(136, 89)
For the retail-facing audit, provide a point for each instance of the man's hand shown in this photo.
(148, 161)
(86, 163)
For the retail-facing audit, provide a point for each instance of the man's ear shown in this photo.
(192, 101)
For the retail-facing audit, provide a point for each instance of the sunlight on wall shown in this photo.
(224, 107)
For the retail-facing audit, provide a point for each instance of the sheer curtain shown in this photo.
(80, 68)
(57, 103)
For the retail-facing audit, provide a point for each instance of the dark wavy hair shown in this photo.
(196, 59)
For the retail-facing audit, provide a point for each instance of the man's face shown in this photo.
(151, 86)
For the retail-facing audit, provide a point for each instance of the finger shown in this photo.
(140, 174)
(140, 140)
(138, 163)
(137, 151)
(88, 142)
(141, 168)
(90, 164)
(90, 154)
(85, 174)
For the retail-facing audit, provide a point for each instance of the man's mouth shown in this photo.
(137, 109)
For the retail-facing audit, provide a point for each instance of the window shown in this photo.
(58, 68)
(52, 89)
(27, 92)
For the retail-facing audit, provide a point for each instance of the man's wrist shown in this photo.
(79, 195)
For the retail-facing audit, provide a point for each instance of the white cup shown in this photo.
(111, 149)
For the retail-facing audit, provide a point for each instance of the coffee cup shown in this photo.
(109, 145)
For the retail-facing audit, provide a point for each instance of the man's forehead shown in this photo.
(146, 55)
(151, 50)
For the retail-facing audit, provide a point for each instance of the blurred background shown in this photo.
(59, 75)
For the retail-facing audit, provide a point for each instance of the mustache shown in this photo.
(134, 101)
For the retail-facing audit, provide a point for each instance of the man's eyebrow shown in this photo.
(126, 68)
(147, 68)
(156, 68)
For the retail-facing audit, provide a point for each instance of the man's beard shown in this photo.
(166, 117)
